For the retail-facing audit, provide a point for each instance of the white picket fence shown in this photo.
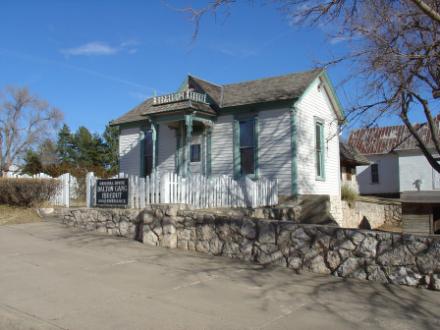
(197, 191)
(62, 197)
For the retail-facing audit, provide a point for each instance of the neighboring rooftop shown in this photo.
(284, 87)
(351, 156)
(383, 140)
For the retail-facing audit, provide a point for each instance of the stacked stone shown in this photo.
(116, 222)
(393, 214)
(364, 254)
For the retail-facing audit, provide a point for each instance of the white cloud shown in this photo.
(91, 48)
(337, 39)
(98, 48)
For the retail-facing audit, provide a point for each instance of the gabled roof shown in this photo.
(286, 87)
(351, 156)
(383, 140)
(214, 91)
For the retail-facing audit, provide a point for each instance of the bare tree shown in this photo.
(394, 47)
(25, 120)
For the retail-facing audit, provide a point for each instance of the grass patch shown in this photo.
(348, 194)
(10, 215)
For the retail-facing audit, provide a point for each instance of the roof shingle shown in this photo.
(350, 155)
(285, 87)
(382, 140)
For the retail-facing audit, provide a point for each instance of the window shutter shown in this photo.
(177, 154)
(208, 152)
(256, 147)
(155, 128)
(321, 132)
(142, 152)
(236, 143)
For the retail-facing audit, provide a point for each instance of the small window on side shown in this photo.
(319, 150)
(374, 173)
(195, 153)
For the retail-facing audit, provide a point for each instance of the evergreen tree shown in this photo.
(111, 138)
(65, 148)
(32, 163)
(89, 148)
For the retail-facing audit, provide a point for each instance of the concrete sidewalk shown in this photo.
(53, 277)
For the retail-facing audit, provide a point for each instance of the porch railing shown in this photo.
(179, 96)
(197, 191)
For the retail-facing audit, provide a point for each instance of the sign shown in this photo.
(112, 192)
(179, 96)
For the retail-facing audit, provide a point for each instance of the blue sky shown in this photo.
(96, 60)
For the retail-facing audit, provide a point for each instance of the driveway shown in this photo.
(54, 277)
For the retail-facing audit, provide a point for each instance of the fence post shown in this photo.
(165, 188)
(66, 189)
(90, 183)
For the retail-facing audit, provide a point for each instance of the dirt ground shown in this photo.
(56, 277)
(10, 215)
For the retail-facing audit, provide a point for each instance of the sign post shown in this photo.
(112, 192)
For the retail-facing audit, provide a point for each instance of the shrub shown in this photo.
(27, 192)
(348, 194)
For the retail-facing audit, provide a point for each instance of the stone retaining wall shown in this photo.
(375, 213)
(363, 254)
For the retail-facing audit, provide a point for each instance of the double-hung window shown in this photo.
(195, 153)
(319, 150)
(148, 152)
(247, 146)
(374, 173)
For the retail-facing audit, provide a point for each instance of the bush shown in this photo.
(348, 194)
(27, 192)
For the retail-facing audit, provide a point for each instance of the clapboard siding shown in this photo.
(129, 150)
(222, 146)
(315, 104)
(167, 149)
(388, 167)
(413, 166)
(275, 147)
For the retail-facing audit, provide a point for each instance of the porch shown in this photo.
(177, 131)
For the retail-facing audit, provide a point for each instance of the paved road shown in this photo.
(53, 277)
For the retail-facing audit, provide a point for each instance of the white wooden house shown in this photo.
(396, 163)
(282, 127)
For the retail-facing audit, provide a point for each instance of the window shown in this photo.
(374, 173)
(247, 147)
(319, 149)
(148, 152)
(195, 153)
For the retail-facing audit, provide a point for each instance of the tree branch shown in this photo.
(427, 9)
(404, 115)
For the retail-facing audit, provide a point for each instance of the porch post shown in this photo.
(188, 138)
(154, 131)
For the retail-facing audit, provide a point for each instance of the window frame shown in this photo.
(192, 147)
(237, 168)
(251, 146)
(375, 178)
(148, 133)
(319, 152)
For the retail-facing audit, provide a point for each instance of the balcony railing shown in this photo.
(180, 96)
